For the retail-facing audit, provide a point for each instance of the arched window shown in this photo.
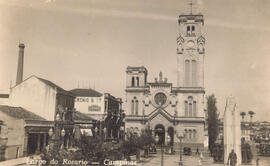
(187, 72)
(186, 108)
(193, 30)
(194, 108)
(194, 73)
(194, 134)
(136, 106)
(132, 81)
(190, 109)
(190, 134)
(138, 81)
(186, 134)
(188, 30)
(132, 107)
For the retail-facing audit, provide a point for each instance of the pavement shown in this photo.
(173, 160)
(22, 161)
(17, 161)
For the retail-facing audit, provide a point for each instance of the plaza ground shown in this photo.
(173, 160)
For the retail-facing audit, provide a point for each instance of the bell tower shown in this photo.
(190, 51)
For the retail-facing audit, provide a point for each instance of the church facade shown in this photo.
(166, 109)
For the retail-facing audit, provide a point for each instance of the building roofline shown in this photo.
(59, 89)
(83, 92)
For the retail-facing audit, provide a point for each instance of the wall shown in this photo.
(141, 75)
(130, 96)
(15, 134)
(4, 101)
(34, 96)
(199, 98)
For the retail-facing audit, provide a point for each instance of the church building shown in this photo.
(172, 109)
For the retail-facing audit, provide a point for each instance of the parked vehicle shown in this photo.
(187, 151)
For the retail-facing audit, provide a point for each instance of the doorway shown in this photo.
(160, 132)
(32, 143)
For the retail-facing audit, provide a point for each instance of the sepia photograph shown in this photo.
(134, 83)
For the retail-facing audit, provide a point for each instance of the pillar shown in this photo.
(25, 145)
(44, 140)
(38, 145)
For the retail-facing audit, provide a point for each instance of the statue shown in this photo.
(232, 159)
(160, 77)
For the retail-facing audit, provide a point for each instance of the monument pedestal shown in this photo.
(232, 131)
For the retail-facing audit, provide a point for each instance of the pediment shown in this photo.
(160, 114)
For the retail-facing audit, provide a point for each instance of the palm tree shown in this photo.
(243, 114)
(251, 113)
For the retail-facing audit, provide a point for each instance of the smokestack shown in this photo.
(20, 64)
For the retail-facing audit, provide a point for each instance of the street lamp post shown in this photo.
(63, 133)
(56, 134)
(180, 136)
(157, 139)
(105, 133)
(96, 131)
(51, 140)
(168, 143)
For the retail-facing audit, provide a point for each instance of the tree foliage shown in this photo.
(93, 149)
(212, 120)
(251, 114)
(243, 114)
(135, 142)
(87, 148)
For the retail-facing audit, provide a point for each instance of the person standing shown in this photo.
(232, 159)
(257, 161)
(197, 151)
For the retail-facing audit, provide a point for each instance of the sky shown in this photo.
(89, 43)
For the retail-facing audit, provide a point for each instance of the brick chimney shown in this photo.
(20, 64)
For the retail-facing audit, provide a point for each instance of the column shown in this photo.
(165, 135)
(38, 145)
(25, 145)
(44, 140)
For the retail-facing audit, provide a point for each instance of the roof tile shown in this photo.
(86, 93)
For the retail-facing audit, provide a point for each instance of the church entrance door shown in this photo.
(160, 132)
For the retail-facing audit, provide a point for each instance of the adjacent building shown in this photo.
(26, 131)
(34, 104)
(168, 109)
(41, 97)
(247, 130)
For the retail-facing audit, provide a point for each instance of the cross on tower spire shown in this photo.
(191, 4)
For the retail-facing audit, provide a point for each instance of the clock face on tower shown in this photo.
(190, 44)
(160, 98)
